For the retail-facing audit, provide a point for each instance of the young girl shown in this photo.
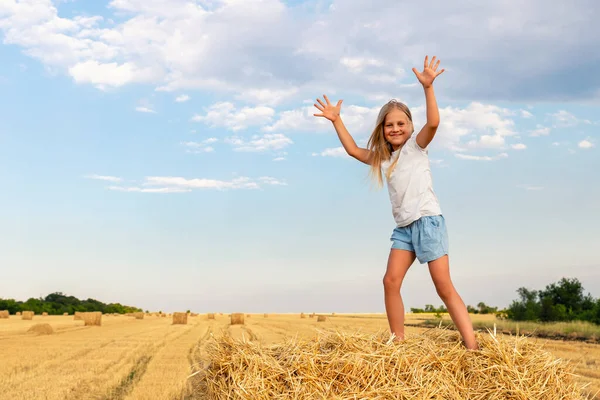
(420, 230)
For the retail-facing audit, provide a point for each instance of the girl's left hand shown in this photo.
(429, 72)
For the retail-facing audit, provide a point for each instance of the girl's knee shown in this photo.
(391, 282)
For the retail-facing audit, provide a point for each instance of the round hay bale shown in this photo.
(266, 315)
(78, 316)
(180, 318)
(210, 316)
(41, 329)
(321, 318)
(18, 313)
(237, 319)
(93, 318)
(138, 315)
(302, 315)
(65, 314)
(311, 315)
(4, 314)
(27, 315)
(44, 314)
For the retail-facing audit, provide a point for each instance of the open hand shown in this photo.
(429, 72)
(328, 110)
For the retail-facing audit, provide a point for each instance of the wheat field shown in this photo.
(152, 358)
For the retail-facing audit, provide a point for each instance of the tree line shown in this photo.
(563, 301)
(57, 304)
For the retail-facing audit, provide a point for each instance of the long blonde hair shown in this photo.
(381, 149)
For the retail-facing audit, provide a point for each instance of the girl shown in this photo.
(420, 230)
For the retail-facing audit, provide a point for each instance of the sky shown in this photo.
(164, 154)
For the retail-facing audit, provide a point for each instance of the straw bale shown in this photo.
(93, 318)
(180, 318)
(41, 329)
(28, 315)
(211, 316)
(18, 313)
(266, 315)
(78, 316)
(321, 318)
(237, 319)
(302, 315)
(346, 365)
(138, 315)
(44, 314)
(4, 314)
(65, 314)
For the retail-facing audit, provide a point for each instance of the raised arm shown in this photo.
(425, 136)
(332, 113)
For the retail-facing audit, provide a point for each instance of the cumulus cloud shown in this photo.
(172, 184)
(481, 158)
(518, 146)
(225, 114)
(104, 178)
(585, 144)
(145, 110)
(200, 147)
(266, 142)
(332, 152)
(182, 98)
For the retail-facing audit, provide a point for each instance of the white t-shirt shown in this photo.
(410, 185)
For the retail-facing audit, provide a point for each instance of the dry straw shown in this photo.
(41, 329)
(78, 316)
(211, 316)
(44, 314)
(65, 314)
(266, 315)
(237, 319)
(4, 314)
(18, 313)
(321, 318)
(92, 318)
(138, 315)
(341, 365)
(302, 315)
(180, 318)
(28, 315)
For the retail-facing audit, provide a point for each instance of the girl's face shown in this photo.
(397, 128)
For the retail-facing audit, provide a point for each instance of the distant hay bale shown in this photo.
(78, 316)
(248, 315)
(44, 314)
(321, 318)
(4, 314)
(27, 315)
(92, 318)
(266, 315)
(163, 315)
(41, 329)
(18, 313)
(237, 319)
(180, 318)
(342, 365)
(333, 314)
(65, 314)
(138, 315)
(302, 315)
(211, 316)
(311, 315)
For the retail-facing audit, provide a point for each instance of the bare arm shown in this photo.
(426, 78)
(332, 113)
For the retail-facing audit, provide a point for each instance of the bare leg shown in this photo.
(440, 273)
(399, 262)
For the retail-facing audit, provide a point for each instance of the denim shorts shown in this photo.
(427, 237)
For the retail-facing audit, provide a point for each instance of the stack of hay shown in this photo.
(433, 365)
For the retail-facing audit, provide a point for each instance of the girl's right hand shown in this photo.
(328, 111)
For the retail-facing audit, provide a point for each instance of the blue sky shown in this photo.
(164, 154)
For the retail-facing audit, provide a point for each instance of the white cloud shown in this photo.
(332, 152)
(526, 114)
(103, 75)
(104, 178)
(266, 142)
(518, 146)
(132, 189)
(170, 184)
(540, 130)
(531, 187)
(279, 159)
(226, 115)
(358, 64)
(585, 144)
(564, 119)
(145, 109)
(268, 97)
(481, 158)
(182, 98)
(200, 147)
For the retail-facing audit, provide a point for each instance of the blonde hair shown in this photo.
(381, 149)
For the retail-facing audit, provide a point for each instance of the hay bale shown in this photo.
(266, 315)
(321, 318)
(92, 318)
(44, 314)
(211, 316)
(27, 315)
(4, 314)
(180, 318)
(237, 319)
(78, 316)
(333, 314)
(65, 314)
(163, 315)
(367, 366)
(311, 315)
(18, 313)
(302, 315)
(41, 329)
(138, 315)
